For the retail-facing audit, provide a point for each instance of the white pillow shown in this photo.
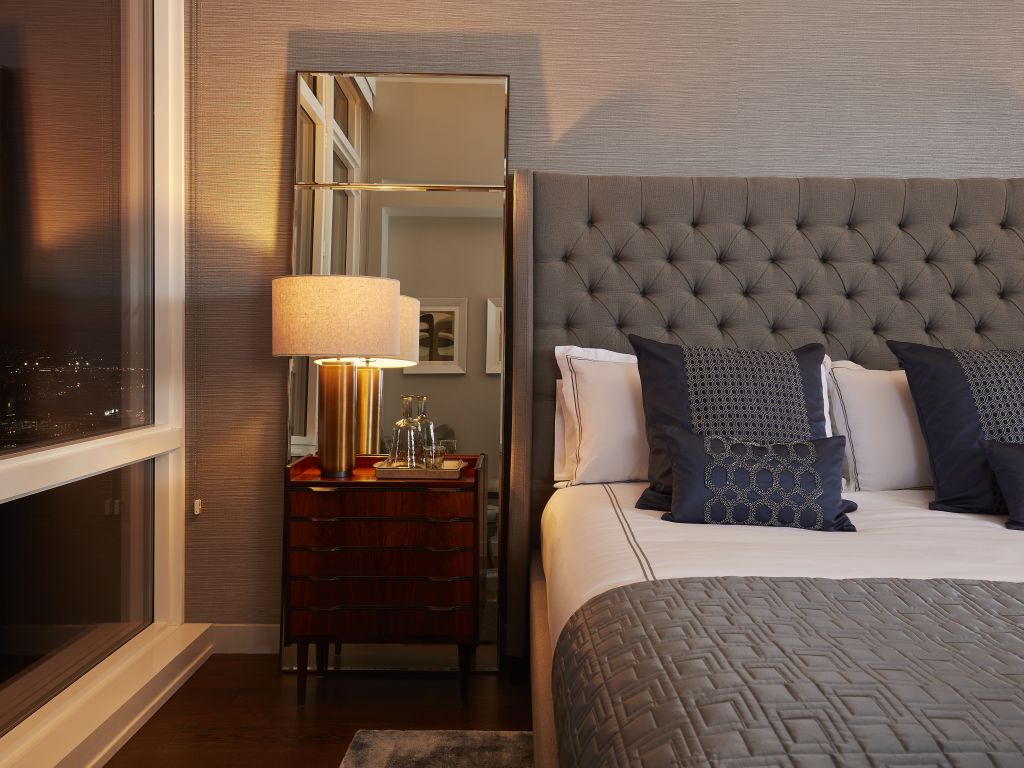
(602, 417)
(885, 450)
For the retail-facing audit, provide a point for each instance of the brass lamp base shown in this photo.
(336, 418)
(370, 385)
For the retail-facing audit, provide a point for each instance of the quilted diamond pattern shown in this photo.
(793, 672)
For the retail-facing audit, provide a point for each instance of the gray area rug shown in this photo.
(440, 749)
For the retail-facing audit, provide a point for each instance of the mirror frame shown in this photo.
(505, 405)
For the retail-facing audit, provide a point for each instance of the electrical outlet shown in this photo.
(197, 507)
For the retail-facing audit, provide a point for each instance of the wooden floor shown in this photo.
(240, 711)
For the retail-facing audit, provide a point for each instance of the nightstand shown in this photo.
(382, 561)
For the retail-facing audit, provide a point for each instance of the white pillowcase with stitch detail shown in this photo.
(602, 413)
(874, 410)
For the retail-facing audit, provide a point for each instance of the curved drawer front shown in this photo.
(412, 624)
(328, 501)
(383, 562)
(433, 532)
(336, 593)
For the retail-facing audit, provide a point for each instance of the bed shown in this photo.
(898, 644)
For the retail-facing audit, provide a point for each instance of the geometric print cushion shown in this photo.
(757, 396)
(963, 398)
(791, 485)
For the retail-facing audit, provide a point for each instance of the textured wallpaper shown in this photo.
(712, 87)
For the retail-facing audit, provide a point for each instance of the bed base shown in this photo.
(545, 745)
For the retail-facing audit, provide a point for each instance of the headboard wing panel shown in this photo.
(757, 263)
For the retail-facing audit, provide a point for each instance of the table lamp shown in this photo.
(370, 376)
(335, 318)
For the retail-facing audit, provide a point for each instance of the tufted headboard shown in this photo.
(747, 262)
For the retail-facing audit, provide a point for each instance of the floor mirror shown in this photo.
(404, 176)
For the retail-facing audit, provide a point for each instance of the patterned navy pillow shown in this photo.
(964, 397)
(1007, 462)
(792, 485)
(762, 396)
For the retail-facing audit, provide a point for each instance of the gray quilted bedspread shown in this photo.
(793, 672)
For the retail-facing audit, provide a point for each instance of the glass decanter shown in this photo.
(406, 452)
(424, 431)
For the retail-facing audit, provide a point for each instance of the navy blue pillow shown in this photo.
(761, 396)
(964, 397)
(1007, 462)
(792, 485)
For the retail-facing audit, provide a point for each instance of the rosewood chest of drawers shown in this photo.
(382, 561)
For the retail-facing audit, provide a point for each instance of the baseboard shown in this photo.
(246, 638)
(88, 722)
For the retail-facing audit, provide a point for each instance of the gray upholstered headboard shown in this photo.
(747, 262)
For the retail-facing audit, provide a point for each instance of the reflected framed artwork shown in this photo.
(442, 337)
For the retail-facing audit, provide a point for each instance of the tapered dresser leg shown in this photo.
(322, 647)
(466, 654)
(301, 665)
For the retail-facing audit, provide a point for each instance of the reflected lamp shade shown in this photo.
(409, 339)
(335, 316)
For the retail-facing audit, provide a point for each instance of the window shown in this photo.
(76, 336)
(76, 582)
(91, 318)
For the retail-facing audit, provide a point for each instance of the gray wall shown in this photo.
(706, 88)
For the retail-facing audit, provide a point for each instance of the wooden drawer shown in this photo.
(335, 593)
(415, 503)
(361, 624)
(382, 562)
(320, 532)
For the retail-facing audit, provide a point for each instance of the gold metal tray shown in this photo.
(451, 470)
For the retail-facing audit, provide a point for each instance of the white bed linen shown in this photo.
(590, 544)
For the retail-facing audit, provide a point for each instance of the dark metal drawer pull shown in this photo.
(443, 608)
(443, 519)
(444, 549)
(324, 519)
(445, 578)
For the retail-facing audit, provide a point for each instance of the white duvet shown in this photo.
(594, 539)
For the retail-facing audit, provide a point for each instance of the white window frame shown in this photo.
(88, 721)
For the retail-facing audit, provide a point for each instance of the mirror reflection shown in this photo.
(403, 176)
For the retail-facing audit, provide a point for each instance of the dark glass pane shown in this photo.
(341, 171)
(76, 582)
(340, 107)
(305, 138)
(299, 383)
(302, 236)
(339, 233)
(76, 238)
